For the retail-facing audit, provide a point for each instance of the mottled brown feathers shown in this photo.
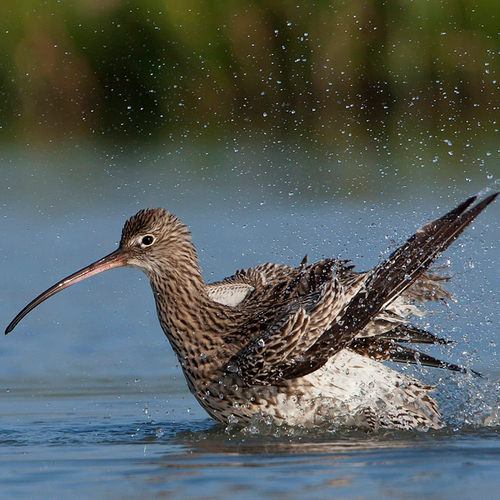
(294, 343)
(153, 220)
(268, 335)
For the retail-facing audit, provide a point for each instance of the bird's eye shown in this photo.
(147, 240)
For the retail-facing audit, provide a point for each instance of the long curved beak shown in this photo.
(115, 259)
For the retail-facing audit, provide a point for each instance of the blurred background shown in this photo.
(272, 128)
(346, 80)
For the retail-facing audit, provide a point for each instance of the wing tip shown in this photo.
(484, 203)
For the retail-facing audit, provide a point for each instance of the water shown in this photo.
(92, 401)
(94, 445)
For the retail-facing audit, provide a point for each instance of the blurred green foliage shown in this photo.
(144, 69)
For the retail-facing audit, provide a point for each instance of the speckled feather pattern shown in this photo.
(303, 345)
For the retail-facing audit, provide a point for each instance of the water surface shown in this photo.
(92, 401)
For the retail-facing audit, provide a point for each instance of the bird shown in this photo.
(295, 345)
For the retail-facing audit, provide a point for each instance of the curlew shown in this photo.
(303, 345)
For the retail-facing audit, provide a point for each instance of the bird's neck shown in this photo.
(190, 319)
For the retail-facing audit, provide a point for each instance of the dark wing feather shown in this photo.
(412, 335)
(383, 350)
(387, 281)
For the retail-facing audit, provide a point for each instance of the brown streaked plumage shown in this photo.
(300, 344)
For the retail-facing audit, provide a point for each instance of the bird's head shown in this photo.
(153, 240)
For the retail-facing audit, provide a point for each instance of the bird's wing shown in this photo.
(261, 360)
(388, 350)
(251, 283)
(274, 284)
(292, 348)
(393, 318)
(229, 294)
(387, 281)
(407, 333)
